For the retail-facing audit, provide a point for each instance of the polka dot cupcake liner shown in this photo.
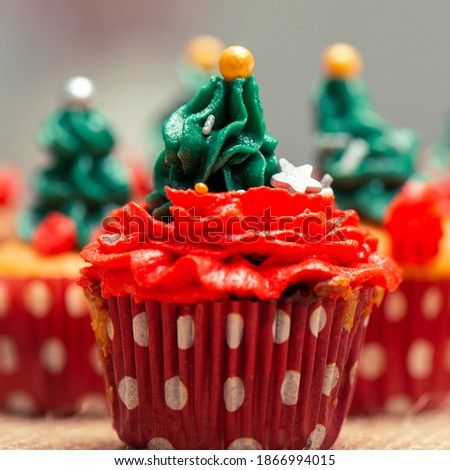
(231, 374)
(405, 361)
(49, 362)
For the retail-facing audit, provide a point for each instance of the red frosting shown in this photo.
(10, 185)
(246, 244)
(414, 221)
(55, 233)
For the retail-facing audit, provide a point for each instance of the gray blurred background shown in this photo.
(129, 49)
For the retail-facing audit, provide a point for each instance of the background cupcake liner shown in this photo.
(48, 358)
(405, 361)
(231, 374)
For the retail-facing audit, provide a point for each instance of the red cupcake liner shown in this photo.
(405, 361)
(232, 374)
(48, 357)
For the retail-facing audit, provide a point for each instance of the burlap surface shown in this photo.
(422, 431)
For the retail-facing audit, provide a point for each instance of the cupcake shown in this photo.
(403, 362)
(230, 310)
(48, 359)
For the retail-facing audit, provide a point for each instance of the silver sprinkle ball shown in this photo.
(79, 92)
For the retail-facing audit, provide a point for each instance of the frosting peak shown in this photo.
(218, 138)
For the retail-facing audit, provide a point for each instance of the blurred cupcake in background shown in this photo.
(404, 362)
(48, 362)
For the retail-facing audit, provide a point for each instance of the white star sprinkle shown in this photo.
(299, 179)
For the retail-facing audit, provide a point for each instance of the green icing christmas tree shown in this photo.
(219, 138)
(367, 157)
(84, 180)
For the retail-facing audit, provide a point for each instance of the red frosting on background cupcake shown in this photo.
(10, 186)
(414, 221)
(248, 244)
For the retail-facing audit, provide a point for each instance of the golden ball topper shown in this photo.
(236, 62)
(342, 61)
(201, 188)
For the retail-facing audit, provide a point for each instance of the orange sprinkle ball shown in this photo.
(201, 188)
(341, 61)
(204, 51)
(236, 62)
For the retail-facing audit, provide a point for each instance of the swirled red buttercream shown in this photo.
(414, 221)
(244, 244)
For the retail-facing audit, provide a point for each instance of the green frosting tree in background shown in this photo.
(367, 157)
(84, 180)
(219, 138)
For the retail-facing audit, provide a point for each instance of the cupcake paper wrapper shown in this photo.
(48, 358)
(231, 374)
(405, 361)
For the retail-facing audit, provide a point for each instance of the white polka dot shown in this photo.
(4, 300)
(447, 356)
(159, 443)
(398, 404)
(366, 321)
(281, 327)
(176, 394)
(128, 392)
(92, 404)
(235, 330)
(373, 361)
(95, 360)
(352, 373)
(431, 303)
(185, 332)
(245, 443)
(317, 320)
(38, 298)
(233, 393)
(330, 379)
(316, 437)
(290, 387)
(110, 329)
(20, 402)
(420, 359)
(140, 333)
(395, 305)
(53, 355)
(75, 301)
(9, 356)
